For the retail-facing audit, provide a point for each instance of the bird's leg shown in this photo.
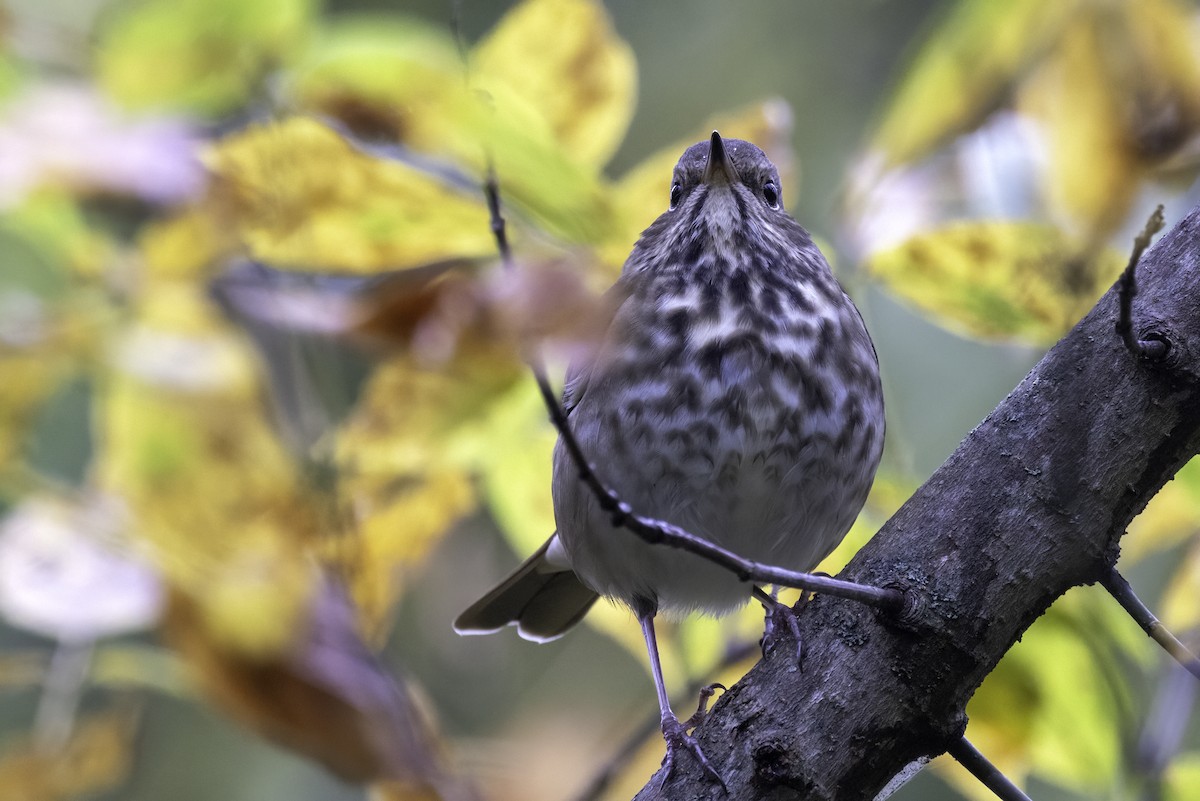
(780, 617)
(675, 733)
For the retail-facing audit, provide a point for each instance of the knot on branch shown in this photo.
(911, 613)
(777, 765)
(1153, 346)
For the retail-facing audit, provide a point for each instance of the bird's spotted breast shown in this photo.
(736, 394)
(725, 413)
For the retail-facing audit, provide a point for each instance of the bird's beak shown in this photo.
(719, 171)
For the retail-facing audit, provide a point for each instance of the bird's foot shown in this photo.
(781, 624)
(677, 738)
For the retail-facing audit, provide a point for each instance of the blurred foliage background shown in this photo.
(264, 428)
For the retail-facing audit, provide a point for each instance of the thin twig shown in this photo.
(977, 764)
(658, 531)
(1119, 588)
(1154, 348)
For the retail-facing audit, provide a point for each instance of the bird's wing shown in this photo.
(579, 371)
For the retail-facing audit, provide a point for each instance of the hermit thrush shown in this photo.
(735, 394)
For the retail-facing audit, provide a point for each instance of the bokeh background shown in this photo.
(265, 431)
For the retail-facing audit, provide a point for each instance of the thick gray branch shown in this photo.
(1033, 503)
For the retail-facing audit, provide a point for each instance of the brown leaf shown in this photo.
(435, 311)
(326, 697)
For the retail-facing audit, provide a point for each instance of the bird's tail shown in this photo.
(542, 598)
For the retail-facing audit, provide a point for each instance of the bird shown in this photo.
(734, 394)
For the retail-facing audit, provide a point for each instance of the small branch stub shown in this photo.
(1153, 347)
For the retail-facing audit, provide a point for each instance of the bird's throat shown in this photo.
(723, 216)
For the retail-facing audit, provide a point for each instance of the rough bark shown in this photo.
(1032, 503)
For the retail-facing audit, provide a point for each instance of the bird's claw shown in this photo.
(706, 694)
(676, 736)
(781, 618)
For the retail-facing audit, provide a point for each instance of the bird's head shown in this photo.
(725, 182)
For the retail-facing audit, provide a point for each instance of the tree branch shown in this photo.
(1033, 503)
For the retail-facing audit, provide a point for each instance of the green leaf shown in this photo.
(12, 75)
(43, 241)
(204, 56)
(1052, 707)
(379, 75)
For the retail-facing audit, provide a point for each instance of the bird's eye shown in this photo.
(771, 194)
(676, 194)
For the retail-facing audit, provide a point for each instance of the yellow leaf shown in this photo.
(31, 377)
(206, 56)
(404, 455)
(186, 245)
(963, 70)
(217, 501)
(1180, 610)
(1182, 777)
(998, 279)
(644, 191)
(563, 60)
(1092, 174)
(517, 468)
(414, 417)
(299, 195)
(397, 523)
(1172, 516)
(1120, 94)
(402, 81)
